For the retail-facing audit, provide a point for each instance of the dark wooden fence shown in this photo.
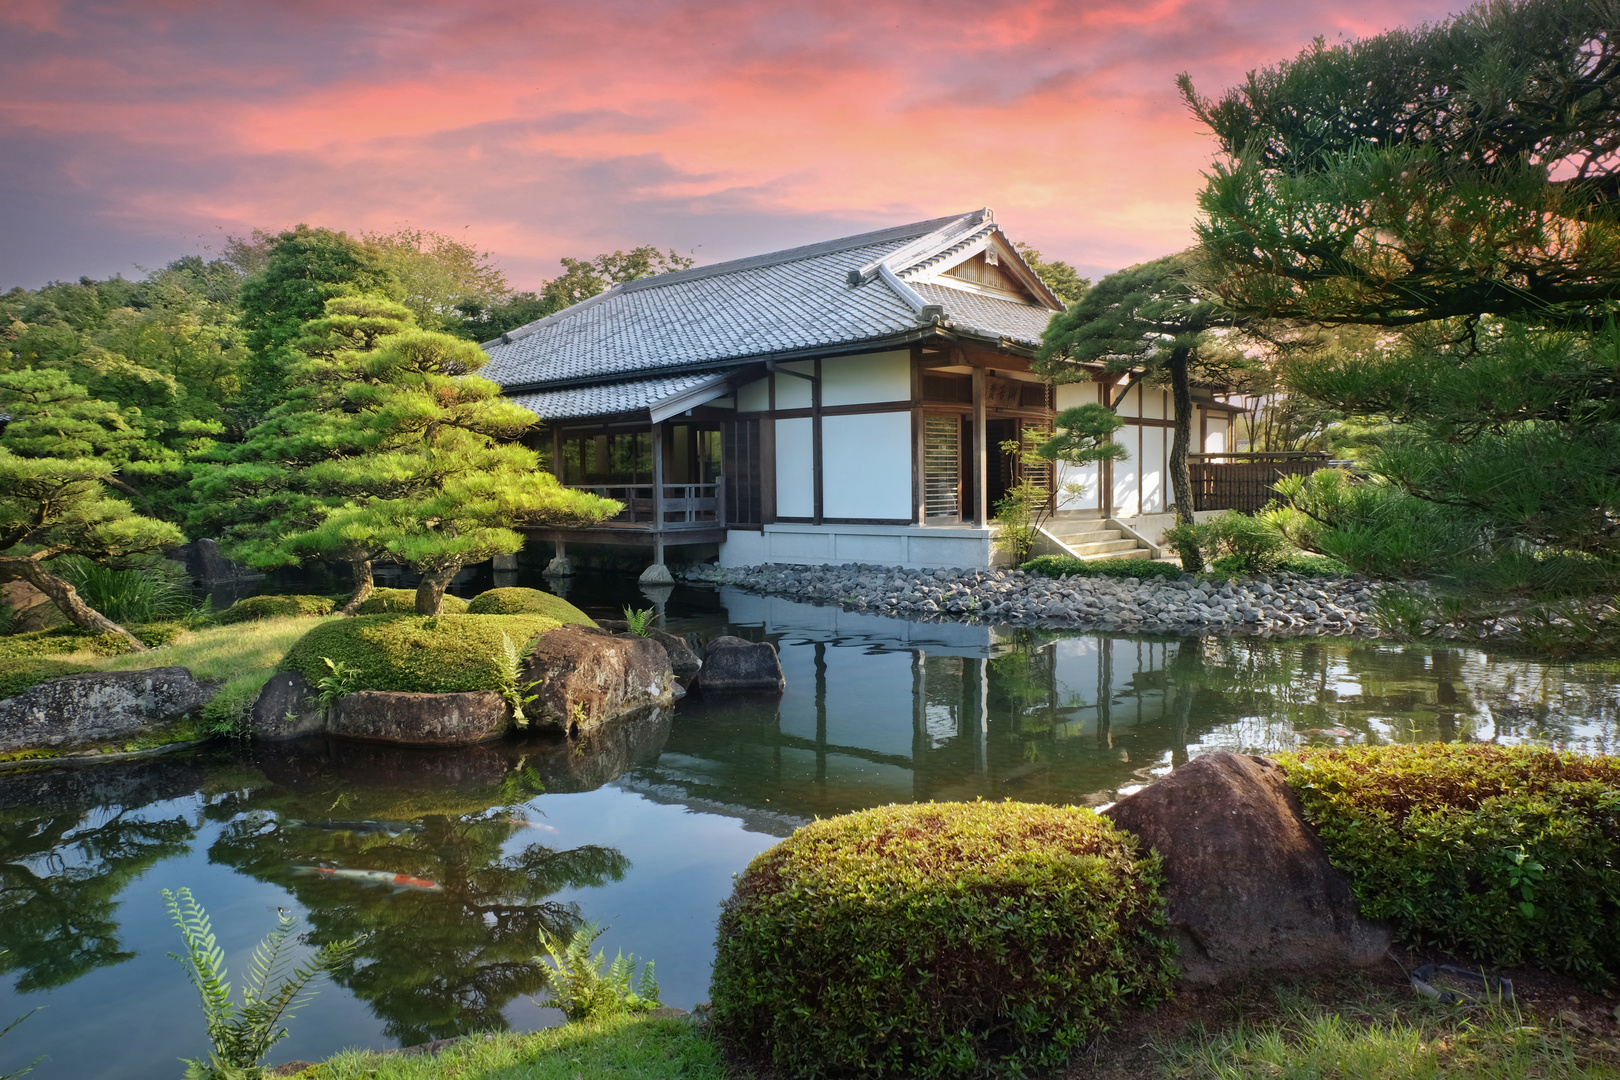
(1245, 481)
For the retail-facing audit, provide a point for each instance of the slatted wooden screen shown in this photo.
(744, 471)
(942, 467)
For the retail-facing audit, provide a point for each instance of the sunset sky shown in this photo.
(139, 130)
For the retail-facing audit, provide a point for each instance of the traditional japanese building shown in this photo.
(840, 402)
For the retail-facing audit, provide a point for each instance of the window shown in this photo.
(942, 468)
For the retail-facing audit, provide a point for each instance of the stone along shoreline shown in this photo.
(1282, 604)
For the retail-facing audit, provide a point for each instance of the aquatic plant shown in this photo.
(579, 986)
(275, 989)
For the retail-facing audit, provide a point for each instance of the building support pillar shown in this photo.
(559, 566)
(657, 573)
(981, 454)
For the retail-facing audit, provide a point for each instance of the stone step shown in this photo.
(1088, 536)
(1106, 547)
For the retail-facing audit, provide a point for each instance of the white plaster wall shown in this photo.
(1155, 405)
(1215, 440)
(1154, 480)
(1069, 396)
(1126, 473)
(795, 471)
(754, 396)
(793, 392)
(866, 466)
(863, 380)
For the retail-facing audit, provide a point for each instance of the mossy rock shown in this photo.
(440, 654)
(403, 602)
(254, 608)
(21, 673)
(519, 601)
(939, 940)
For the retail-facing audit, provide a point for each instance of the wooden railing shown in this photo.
(682, 506)
(1245, 481)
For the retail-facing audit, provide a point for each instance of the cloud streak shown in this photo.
(138, 129)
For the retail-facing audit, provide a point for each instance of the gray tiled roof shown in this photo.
(605, 399)
(642, 340)
(988, 315)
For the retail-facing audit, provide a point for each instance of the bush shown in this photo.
(1507, 854)
(21, 673)
(143, 594)
(254, 608)
(59, 640)
(516, 601)
(939, 939)
(1053, 566)
(1234, 543)
(403, 602)
(441, 654)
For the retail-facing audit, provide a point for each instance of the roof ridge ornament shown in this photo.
(906, 253)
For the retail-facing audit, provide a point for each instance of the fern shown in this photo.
(578, 986)
(516, 694)
(341, 683)
(638, 621)
(274, 990)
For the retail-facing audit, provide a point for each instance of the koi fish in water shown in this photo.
(1335, 732)
(365, 827)
(527, 824)
(372, 878)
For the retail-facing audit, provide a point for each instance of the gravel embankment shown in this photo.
(1282, 603)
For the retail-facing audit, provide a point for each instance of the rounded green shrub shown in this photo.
(939, 939)
(254, 608)
(1507, 854)
(441, 654)
(22, 673)
(403, 602)
(519, 601)
(1054, 566)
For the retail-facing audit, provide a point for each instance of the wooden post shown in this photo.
(556, 454)
(981, 454)
(658, 478)
(815, 438)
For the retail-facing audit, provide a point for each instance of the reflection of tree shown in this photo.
(433, 964)
(58, 882)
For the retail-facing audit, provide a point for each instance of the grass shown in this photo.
(622, 1048)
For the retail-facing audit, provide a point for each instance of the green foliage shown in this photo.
(1234, 543)
(1028, 502)
(138, 594)
(59, 640)
(9, 1028)
(254, 608)
(1084, 434)
(403, 602)
(637, 622)
(578, 985)
(229, 713)
(957, 938)
(339, 682)
(1059, 276)
(1054, 566)
(1372, 527)
(441, 654)
(512, 687)
(274, 990)
(1510, 855)
(512, 600)
(1457, 169)
(21, 673)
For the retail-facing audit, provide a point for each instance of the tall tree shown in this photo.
(581, 279)
(439, 276)
(1150, 321)
(1461, 169)
(1059, 276)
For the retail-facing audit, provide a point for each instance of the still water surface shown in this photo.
(643, 828)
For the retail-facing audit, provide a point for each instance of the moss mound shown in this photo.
(444, 654)
(518, 601)
(254, 608)
(403, 602)
(1508, 854)
(60, 640)
(21, 673)
(1060, 565)
(939, 939)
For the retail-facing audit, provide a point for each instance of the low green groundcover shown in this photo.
(939, 939)
(253, 608)
(403, 602)
(59, 640)
(1507, 854)
(519, 601)
(1059, 565)
(21, 673)
(441, 654)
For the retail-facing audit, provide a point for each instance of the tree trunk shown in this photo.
(67, 601)
(430, 593)
(363, 586)
(1192, 560)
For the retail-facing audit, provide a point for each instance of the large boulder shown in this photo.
(731, 663)
(420, 719)
(287, 708)
(98, 709)
(1249, 887)
(31, 609)
(206, 563)
(682, 660)
(589, 677)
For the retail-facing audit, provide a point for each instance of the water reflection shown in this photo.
(437, 867)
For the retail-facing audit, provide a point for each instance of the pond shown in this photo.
(643, 828)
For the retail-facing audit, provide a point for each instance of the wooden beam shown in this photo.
(815, 440)
(981, 454)
(658, 482)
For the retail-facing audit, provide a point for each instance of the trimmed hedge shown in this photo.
(254, 608)
(936, 939)
(441, 654)
(1053, 566)
(403, 602)
(519, 601)
(1509, 854)
(22, 673)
